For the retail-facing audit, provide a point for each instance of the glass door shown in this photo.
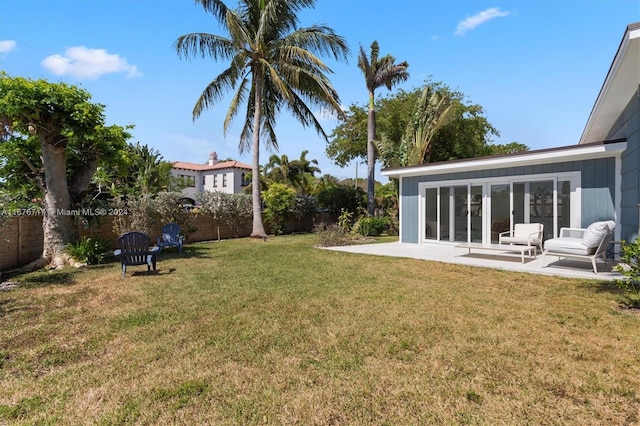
(461, 213)
(533, 203)
(445, 208)
(431, 214)
(454, 213)
(476, 213)
(500, 209)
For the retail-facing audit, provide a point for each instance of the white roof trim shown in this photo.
(619, 86)
(573, 153)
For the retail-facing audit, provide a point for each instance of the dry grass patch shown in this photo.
(248, 332)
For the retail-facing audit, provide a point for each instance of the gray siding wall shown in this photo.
(627, 126)
(598, 189)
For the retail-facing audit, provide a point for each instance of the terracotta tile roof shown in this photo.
(202, 167)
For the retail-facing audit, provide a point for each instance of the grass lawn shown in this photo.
(248, 332)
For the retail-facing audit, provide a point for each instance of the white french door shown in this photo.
(470, 212)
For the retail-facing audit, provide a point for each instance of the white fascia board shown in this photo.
(620, 84)
(526, 159)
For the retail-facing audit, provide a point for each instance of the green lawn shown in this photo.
(279, 332)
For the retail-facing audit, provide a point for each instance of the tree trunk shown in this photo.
(371, 156)
(57, 222)
(258, 227)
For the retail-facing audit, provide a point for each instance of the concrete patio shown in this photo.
(509, 261)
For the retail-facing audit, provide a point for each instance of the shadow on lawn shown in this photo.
(45, 278)
(7, 307)
(188, 252)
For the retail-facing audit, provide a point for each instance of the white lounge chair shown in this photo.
(581, 243)
(528, 234)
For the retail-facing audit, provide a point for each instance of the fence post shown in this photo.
(19, 240)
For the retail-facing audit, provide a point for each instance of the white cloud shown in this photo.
(7, 46)
(82, 62)
(478, 19)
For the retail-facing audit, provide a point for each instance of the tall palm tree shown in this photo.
(377, 72)
(273, 64)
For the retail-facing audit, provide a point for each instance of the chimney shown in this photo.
(213, 158)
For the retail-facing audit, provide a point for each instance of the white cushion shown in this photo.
(596, 232)
(524, 230)
(567, 245)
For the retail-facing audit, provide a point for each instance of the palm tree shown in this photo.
(306, 170)
(280, 170)
(273, 64)
(377, 72)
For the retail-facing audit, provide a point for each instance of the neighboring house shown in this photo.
(599, 179)
(226, 176)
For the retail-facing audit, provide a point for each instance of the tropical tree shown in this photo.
(274, 64)
(348, 140)
(279, 170)
(431, 113)
(153, 174)
(139, 169)
(466, 134)
(509, 148)
(55, 138)
(297, 174)
(377, 72)
(305, 170)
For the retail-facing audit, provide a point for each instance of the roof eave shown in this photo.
(620, 84)
(545, 156)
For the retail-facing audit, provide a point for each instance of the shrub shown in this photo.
(169, 208)
(279, 199)
(331, 235)
(304, 206)
(345, 220)
(337, 198)
(630, 268)
(138, 214)
(144, 213)
(369, 226)
(89, 250)
(235, 210)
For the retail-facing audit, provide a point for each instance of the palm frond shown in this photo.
(216, 7)
(216, 89)
(203, 44)
(239, 97)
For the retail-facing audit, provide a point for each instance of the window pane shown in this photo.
(564, 207)
(431, 214)
(444, 213)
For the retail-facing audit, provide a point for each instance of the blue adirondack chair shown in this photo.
(134, 250)
(171, 237)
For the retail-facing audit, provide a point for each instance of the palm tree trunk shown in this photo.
(371, 156)
(258, 227)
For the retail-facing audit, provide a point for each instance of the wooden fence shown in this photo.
(21, 237)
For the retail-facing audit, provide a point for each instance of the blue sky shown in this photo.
(536, 66)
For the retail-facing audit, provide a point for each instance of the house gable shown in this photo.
(620, 87)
